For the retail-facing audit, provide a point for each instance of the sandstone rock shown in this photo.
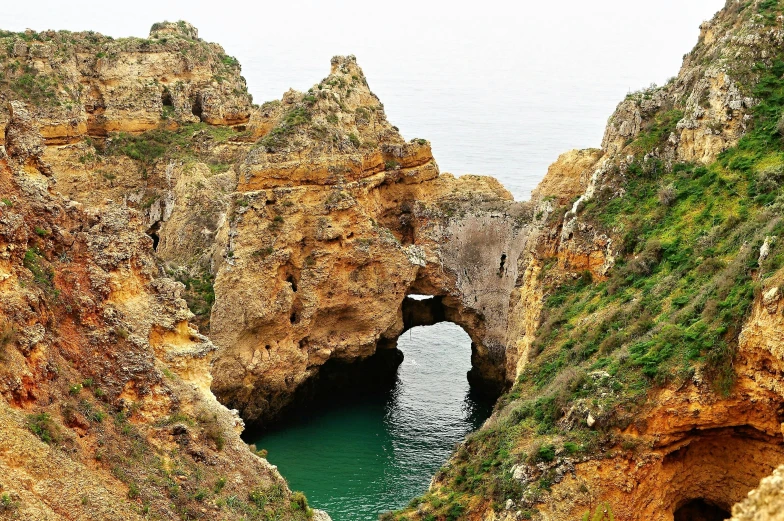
(568, 177)
(765, 503)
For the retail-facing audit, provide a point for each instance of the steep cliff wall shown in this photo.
(633, 305)
(647, 324)
(106, 410)
(335, 220)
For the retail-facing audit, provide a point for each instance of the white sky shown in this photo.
(437, 65)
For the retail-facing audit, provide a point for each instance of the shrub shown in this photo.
(133, 491)
(299, 501)
(780, 125)
(667, 195)
(213, 431)
(219, 485)
(542, 453)
(6, 503)
(44, 427)
(770, 178)
(258, 498)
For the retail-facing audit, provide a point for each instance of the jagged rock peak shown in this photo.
(346, 65)
(179, 28)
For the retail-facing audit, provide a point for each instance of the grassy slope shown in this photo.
(673, 305)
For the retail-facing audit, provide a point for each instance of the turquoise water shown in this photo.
(363, 457)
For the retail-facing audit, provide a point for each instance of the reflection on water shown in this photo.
(359, 458)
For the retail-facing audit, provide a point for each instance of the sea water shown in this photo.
(359, 458)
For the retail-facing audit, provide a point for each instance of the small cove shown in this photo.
(359, 457)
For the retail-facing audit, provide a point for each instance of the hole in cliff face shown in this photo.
(197, 109)
(503, 264)
(291, 280)
(152, 232)
(166, 99)
(701, 510)
(486, 375)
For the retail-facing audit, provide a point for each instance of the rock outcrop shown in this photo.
(106, 409)
(335, 221)
(633, 306)
(603, 422)
(87, 84)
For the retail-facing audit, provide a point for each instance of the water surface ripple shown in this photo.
(359, 458)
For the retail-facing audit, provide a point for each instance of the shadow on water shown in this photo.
(357, 455)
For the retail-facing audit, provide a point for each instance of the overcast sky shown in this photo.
(545, 74)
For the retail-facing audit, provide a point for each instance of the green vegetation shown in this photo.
(603, 512)
(656, 131)
(200, 296)
(230, 61)
(35, 88)
(154, 144)
(278, 136)
(33, 261)
(43, 426)
(672, 306)
(7, 503)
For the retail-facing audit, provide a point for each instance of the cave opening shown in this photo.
(152, 232)
(197, 109)
(166, 99)
(701, 510)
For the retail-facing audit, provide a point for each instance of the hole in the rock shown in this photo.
(166, 99)
(503, 263)
(291, 280)
(153, 234)
(701, 510)
(196, 109)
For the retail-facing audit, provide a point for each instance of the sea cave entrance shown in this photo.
(360, 453)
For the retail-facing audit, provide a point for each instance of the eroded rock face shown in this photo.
(105, 406)
(87, 84)
(335, 220)
(317, 220)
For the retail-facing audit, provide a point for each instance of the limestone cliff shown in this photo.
(648, 322)
(630, 313)
(335, 220)
(106, 409)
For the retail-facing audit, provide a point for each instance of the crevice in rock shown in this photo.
(153, 233)
(197, 109)
(166, 99)
(291, 280)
